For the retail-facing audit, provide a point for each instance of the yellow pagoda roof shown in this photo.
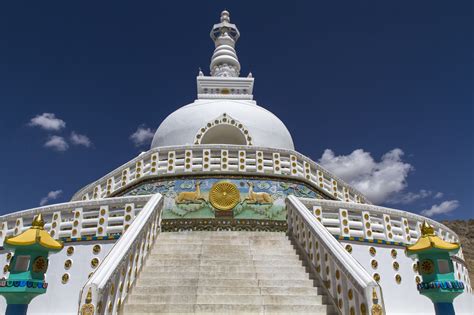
(36, 234)
(430, 240)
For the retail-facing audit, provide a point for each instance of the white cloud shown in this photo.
(79, 139)
(377, 180)
(57, 143)
(47, 121)
(142, 136)
(442, 208)
(438, 195)
(410, 197)
(52, 195)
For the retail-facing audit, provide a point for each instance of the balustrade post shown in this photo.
(18, 226)
(367, 225)
(387, 227)
(77, 223)
(344, 222)
(103, 221)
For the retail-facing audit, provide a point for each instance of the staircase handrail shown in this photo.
(349, 285)
(109, 285)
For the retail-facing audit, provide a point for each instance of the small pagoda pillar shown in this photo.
(28, 266)
(436, 268)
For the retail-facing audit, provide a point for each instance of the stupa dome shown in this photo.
(223, 121)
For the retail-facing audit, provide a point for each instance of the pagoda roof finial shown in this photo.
(35, 235)
(430, 241)
(224, 61)
(38, 222)
(225, 16)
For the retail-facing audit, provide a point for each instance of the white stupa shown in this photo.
(220, 215)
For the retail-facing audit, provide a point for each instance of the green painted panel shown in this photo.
(179, 206)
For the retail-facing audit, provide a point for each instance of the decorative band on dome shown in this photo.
(212, 132)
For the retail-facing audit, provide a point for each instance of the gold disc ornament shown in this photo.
(224, 195)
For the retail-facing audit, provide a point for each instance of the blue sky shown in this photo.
(385, 86)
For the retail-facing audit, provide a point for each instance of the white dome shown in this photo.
(223, 121)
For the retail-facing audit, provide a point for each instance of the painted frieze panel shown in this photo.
(239, 198)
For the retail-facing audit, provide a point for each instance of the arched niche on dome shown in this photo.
(223, 130)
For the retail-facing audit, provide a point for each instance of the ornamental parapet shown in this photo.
(222, 160)
(373, 223)
(79, 220)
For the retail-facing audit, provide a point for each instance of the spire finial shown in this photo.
(38, 222)
(224, 62)
(426, 229)
(225, 16)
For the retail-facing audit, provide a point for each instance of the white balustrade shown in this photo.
(372, 222)
(347, 283)
(108, 287)
(219, 160)
(91, 218)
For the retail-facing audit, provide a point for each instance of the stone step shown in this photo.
(289, 283)
(144, 308)
(256, 263)
(296, 309)
(143, 282)
(163, 299)
(152, 274)
(228, 309)
(226, 272)
(291, 300)
(226, 269)
(165, 290)
(222, 233)
(222, 239)
(188, 256)
(230, 242)
(309, 291)
(217, 291)
(230, 299)
(209, 290)
(221, 262)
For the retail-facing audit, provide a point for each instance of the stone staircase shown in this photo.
(225, 273)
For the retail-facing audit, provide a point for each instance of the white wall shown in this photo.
(63, 298)
(404, 298)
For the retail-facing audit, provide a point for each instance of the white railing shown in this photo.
(220, 159)
(107, 289)
(372, 222)
(348, 284)
(91, 218)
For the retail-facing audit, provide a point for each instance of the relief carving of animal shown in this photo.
(258, 197)
(190, 196)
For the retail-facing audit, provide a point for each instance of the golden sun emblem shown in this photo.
(224, 195)
(40, 264)
(427, 266)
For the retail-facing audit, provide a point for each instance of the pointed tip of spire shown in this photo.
(38, 222)
(426, 229)
(225, 16)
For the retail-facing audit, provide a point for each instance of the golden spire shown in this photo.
(36, 234)
(426, 229)
(429, 240)
(38, 222)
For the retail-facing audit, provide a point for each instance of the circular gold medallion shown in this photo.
(427, 266)
(40, 264)
(224, 195)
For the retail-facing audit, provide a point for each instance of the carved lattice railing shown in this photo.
(347, 283)
(107, 289)
(220, 160)
(370, 222)
(78, 219)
